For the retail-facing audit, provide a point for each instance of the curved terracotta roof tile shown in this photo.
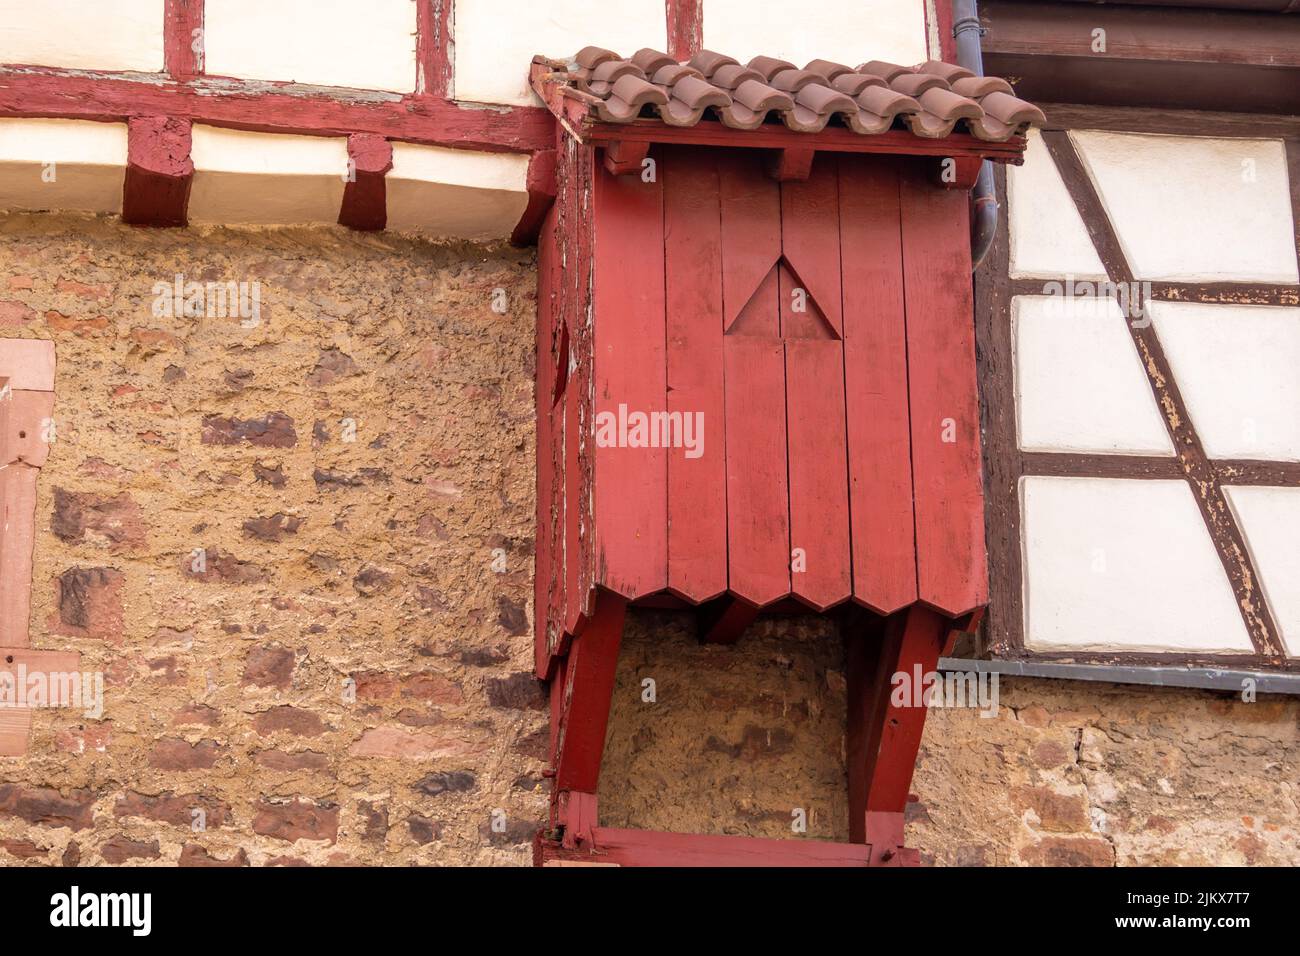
(931, 100)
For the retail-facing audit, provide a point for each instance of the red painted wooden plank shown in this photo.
(814, 389)
(758, 519)
(946, 479)
(697, 504)
(365, 196)
(256, 105)
(621, 847)
(810, 242)
(875, 384)
(545, 552)
(577, 409)
(589, 684)
(159, 172)
(630, 368)
(183, 38)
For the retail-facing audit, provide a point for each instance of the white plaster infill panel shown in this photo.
(455, 193)
(1123, 565)
(266, 178)
(76, 34)
(496, 39)
(366, 45)
(1079, 382)
(1046, 232)
(845, 31)
(51, 164)
(1270, 521)
(1236, 366)
(1195, 208)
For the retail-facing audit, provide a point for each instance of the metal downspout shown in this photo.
(966, 30)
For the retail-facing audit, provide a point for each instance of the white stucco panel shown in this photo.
(1079, 382)
(846, 31)
(1270, 521)
(1123, 565)
(103, 35)
(455, 193)
(73, 165)
(1236, 367)
(497, 39)
(266, 178)
(1047, 235)
(368, 45)
(1196, 208)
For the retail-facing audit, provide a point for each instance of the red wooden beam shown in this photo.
(159, 172)
(540, 184)
(619, 847)
(433, 26)
(723, 620)
(365, 199)
(884, 737)
(282, 108)
(833, 139)
(685, 27)
(183, 38)
(579, 714)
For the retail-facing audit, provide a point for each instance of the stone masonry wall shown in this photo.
(333, 569)
(1064, 774)
(348, 676)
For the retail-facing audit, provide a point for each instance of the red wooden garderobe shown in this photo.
(756, 390)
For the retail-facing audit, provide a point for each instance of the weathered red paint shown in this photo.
(433, 31)
(267, 108)
(159, 172)
(685, 27)
(183, 38)
(365, 197)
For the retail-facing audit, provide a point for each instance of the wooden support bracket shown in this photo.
(884, 735)
(791, 164)
(365, 197)
(159, 172)
(623, 157)
(580, 702)
(724, 619)
(959, 172)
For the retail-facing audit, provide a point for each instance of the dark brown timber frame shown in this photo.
(1006, 464)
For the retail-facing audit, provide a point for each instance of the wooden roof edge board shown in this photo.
(627, 847)
(274, 108)
(1143, 33)
(894, 142)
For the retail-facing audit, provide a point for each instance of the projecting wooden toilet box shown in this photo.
(756, 389)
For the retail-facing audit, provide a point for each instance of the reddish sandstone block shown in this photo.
(89, 603)
(299, 819)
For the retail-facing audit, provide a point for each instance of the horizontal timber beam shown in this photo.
(262, 107)
(1142, 56)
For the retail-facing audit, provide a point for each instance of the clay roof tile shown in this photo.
(931, 100)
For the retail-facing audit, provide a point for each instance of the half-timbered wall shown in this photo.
(1141, 323)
